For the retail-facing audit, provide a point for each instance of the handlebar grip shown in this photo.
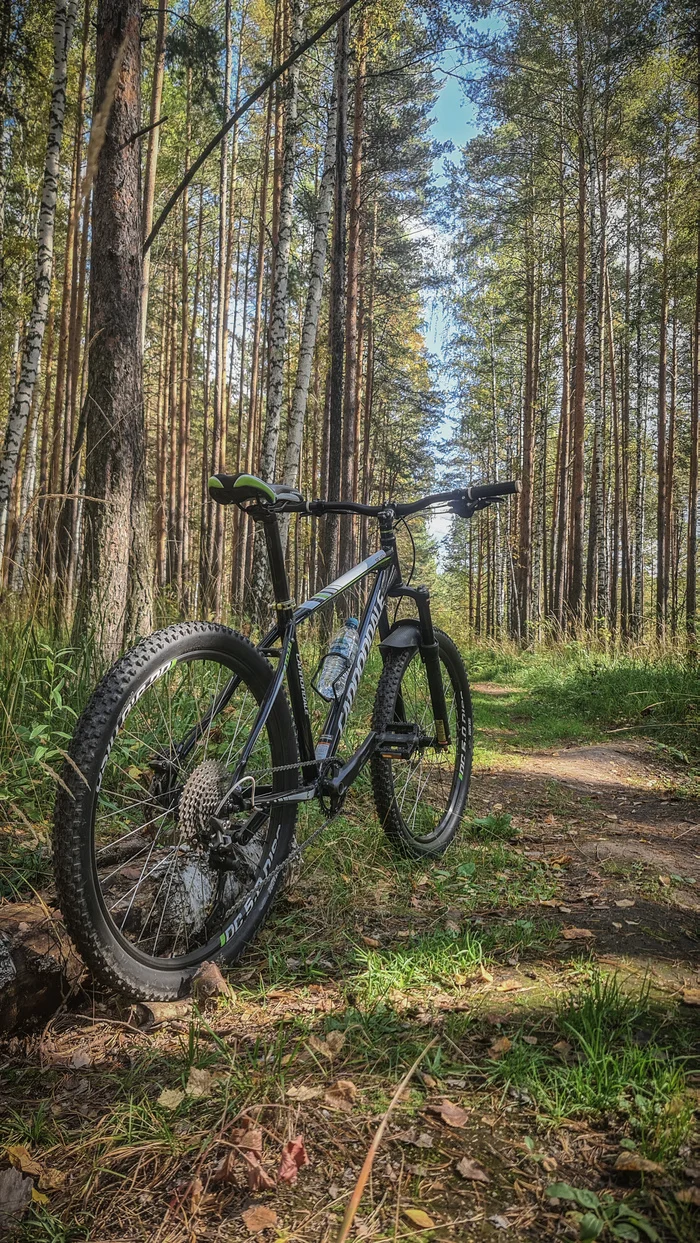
(482, 492)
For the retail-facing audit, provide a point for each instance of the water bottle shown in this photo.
(339, 660)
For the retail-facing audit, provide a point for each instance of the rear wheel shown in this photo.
(420, 800)
(146, 891)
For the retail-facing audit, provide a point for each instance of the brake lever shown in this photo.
(466, 509)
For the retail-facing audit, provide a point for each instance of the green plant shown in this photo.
(603, 1215)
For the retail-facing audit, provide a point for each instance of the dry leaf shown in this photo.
(625, 902)
(499, 1221)
(52, 1179)
(225, 1171)
(80, 1060)
(259, 1217)
(691, 1195)
(258, 1177)
(691, 996)
(329, 1047)
(508, 986)
(560, 860)
(303, 1092)
(563, 1048)
(170, 1098)
(419, 1218)
(484, 975)
(549, 1164)
(371, 942)
(294, 1156)
(15, 1195)
(631, 1162)
(38, 1197)
(529, 1039)
(199, 1082)
(499, 1046)
(453, 1115)
(341, 1095)
(471, 1169)
(665, 881)
(428, 1081)
(576, 934)
(21, 1158)
(251, 1139)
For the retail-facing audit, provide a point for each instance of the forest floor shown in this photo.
(554, 954)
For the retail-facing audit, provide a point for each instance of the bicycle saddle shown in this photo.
(233, 489)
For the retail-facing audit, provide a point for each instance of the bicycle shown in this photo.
(175, 820)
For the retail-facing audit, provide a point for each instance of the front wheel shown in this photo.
(146, 891)
(420, 799)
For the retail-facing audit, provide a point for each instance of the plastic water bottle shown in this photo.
(339, 660)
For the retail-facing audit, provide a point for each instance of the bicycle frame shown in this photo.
(384, 564)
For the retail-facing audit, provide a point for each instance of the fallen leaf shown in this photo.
(452, 1114)
(484, 975)
(563, 1048)
(15, 1195)
(419, 1218)
(371, 942)
(691, 1195)
(529, 1039)
(170, 1098)
(508, 986)
(225, 1171)
(200, 1082)
(38, 1197)
(250, 1140)
(21, 1158)
(294, 1156)
(631, 1162)
(52, 1179)
(257, 1176)
(471, 1169)
(303, 1092)
(617, 927)
(576, 934)
(341, 1095)
(549, 1164)
(560, 861)
(80, 1060)
(328, 1047)
(499, 1045)
(428, 1080)
(500, 1222)
(259, 1217)
(665, 881)
(691, 996)
(625, 902)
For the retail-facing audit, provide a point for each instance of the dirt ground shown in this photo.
(622, 851)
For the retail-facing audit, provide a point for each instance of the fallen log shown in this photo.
(39, 968)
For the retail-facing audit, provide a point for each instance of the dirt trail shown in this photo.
(628, 847)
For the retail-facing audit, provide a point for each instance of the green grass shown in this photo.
(624, 1057)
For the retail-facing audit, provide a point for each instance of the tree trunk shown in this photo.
(149, 189)
(312, 310)
(661, 549)
(577, 486)
(336, 316)
(278, 307)
(64, 19)
(346, 555)
(114, 598)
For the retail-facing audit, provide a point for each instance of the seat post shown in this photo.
(278, 571)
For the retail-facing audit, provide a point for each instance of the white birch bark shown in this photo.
(312, 311)
(278, 311)
(64, 20)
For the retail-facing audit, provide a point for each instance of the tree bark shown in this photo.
(115, 598)
(149, 189)
(577, 486)
(64, 20)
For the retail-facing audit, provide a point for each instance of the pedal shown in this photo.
(400, 741)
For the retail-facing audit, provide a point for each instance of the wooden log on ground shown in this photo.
(39, 968)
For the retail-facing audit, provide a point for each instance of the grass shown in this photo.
(391, 953)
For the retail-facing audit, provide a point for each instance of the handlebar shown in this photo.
(484, 492)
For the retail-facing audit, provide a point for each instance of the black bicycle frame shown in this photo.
(313, 759)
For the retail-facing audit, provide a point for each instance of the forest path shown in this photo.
(612, 820)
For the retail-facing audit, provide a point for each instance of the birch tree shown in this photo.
(64, 21)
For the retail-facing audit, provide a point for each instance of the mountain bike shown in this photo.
(175, 821)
